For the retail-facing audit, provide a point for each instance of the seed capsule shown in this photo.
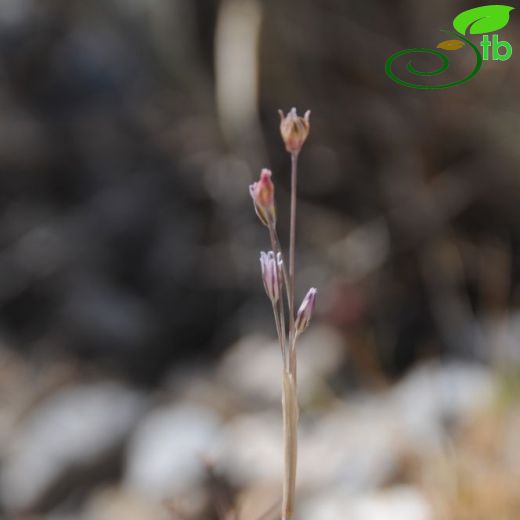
(294, 129)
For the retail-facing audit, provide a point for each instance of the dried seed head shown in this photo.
(271, 266)
(305, 311)
(262, 193)
(294, 129)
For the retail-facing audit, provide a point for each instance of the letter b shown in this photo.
(497, 45)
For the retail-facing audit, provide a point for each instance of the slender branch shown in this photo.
(286, 351)
(290, 427)
(280, 331)
(292, 250)
(289, 400)
(277, 248)
(275, 244)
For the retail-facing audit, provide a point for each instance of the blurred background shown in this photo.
(139, 374)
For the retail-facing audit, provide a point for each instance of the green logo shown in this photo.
(480, 20)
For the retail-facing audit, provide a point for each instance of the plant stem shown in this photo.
(289, 399)
(279, 321)
(292, 249)
(277, 248)
(275, 244)
(290, 429)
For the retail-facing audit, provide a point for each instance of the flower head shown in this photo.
(305, 311)
(271, 265)
(262, 193)
(294, 129)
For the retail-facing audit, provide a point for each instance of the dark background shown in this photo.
(130, 131)
(126, 228)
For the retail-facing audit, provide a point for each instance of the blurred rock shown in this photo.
(116, 504)
(358, 447)
(250, 449)
(253, 365)
(77, 427)
(198, 385)
(361, 445)
(261, 502)
(510, 443)
(434, 398)
(397, 503)
(167, 452)
(502, 335)
(15, 391)
(321, 352)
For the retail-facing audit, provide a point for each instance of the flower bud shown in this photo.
(294, 129)
(262, 193)
(305, 311)
(271, 267)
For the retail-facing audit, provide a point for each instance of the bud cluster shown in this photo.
(279, 282)
(294, 130)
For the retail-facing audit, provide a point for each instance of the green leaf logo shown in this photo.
(481, 20)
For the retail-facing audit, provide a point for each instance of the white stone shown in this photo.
(435, 395)
(251, 448)
(71, 428)
(397, 503)
(167, 452)
(357, 447)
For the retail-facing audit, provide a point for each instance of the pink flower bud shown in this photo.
(262, 193)
(271, 267)
(305, 311)
(294, 129)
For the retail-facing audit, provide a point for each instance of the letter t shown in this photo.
(485, 44)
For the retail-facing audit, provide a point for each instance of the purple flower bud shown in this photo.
(271, 274)
(262, 193)
(305, 311)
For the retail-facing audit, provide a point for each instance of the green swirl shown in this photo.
(444, 65)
